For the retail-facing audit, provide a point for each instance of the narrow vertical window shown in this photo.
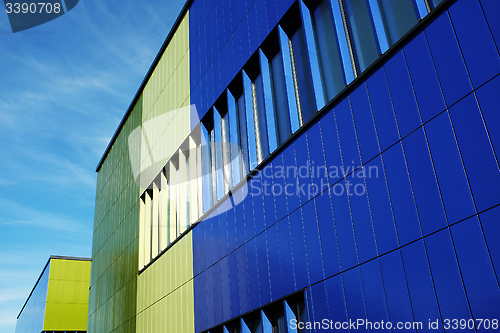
(268, 102)
(155, 210)
(217, 148)
(199, 169)
(434, 3)
(164, 237)
(234, 135)
(329, 51)
(206, 152)
(142, 231)
(288, 78)
(178, 198)
(250, 122)
(302, 76)
(173, 199)
(361, 29)
(280, 98)
(398, 16)
(259, 116)
(226, 152)
(243, 138)
(193, 178)
(187, 183)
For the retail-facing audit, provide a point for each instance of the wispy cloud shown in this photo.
(35, 218)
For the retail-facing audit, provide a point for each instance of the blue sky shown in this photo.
(64, 86)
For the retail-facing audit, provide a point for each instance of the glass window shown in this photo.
(213, 164)
(280, 98)
(165, 215)
(226, 153)
(362, 33)
(178, 199)
(302, 76)
(187, 182)
(398, 16)
(329, 51)
(261, 138)
(272, 132)
(217, 149)
(289, 78)
(243, 137)
(434, 3)
(231, 121)
(206, 164)
(250, 124)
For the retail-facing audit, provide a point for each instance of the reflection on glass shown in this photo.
(434, 3)
(232, 121)
(187, 182)
(312, 56)
(288, 78)
(398, 16)
(302, 76)
(243, 139)
(342, 39)
(261, 137)
(216, 148)
(211, 136)
(362, 32)
(280, 98)
(329, 52)
(206, 157)
(250, 125)
(268, 102)
(226, 153)
(422, 8)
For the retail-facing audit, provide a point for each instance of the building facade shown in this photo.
(300, 166)
(59, 300)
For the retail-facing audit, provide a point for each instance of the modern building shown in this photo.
(300, 166)
(59, 300)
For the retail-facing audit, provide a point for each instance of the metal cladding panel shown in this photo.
(475, 40)
(67, 296)
(448, 60)
(115, 247)
(165, 291)
(479, 160)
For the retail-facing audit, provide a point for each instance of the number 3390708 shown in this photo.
(33, 8)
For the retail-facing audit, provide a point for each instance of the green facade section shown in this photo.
(165, 291)
(113, 279)
(114, 290)
(67, 301)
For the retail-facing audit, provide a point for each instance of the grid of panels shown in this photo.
(434, 197)
(113, 279)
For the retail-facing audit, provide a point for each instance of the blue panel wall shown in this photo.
(418, 138)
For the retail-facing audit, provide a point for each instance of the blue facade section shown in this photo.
(417, 138)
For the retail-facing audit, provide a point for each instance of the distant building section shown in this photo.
(59, 300)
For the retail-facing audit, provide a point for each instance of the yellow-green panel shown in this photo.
(114, 300)
(67, 295)
(166, 287)
(166, 112)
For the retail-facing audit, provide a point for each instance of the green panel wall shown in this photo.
(67, 296)
(165, 104)
(165, 294)
(113, 283)
(113, 292)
